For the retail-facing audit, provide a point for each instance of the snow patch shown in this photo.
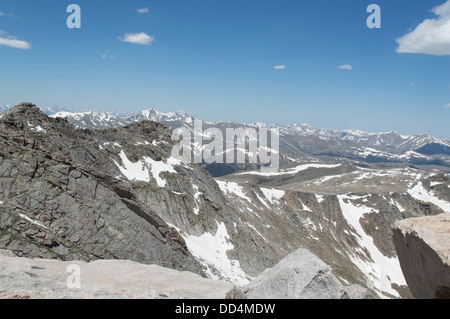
(304, 207)
(291, 171)
(139, 171)
(435, 183)
(233, 188)
(273, 195)
(36, 129)
(197, 198)
(381, 270)
(320, 198)
(256, 231)
(262, 200)
(211, 251)
(420, 193)
(35, 222)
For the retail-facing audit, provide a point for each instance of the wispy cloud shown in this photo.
(432, 36)
(143, 10)
(11, 15)
(12, 42)
(107, 56)
(137, 38)
(447, 105)
(345, 67)
(279, 67)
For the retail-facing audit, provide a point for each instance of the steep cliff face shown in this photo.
(423, 246)
(61, 198)
(118, 194)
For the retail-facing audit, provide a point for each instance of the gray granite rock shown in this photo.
(301, 275)
(112, 279)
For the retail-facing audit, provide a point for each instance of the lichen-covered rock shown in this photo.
(423, 247)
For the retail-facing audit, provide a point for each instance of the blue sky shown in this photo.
(216, 59)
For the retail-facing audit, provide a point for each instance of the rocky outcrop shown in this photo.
(22, 278)
(423, 247)
(301, 275)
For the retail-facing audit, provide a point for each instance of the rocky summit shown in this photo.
(77, 194)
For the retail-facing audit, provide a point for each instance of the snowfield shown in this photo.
(139, 171)
(420, 193)
(380, 270)
(291, 171)
(211, 251)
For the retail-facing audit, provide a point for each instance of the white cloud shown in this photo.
(143, 10)
(279, 67)
(411, 83)
(432, 36)
(447, 105)
(11, 15)
(138, 38)
(106, 56)
(12, 42)
(345, 67)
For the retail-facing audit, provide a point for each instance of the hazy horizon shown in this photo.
(125, 114)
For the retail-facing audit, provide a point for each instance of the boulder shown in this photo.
(423, 248)
(300, 275)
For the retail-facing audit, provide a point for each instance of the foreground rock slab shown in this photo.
(112, 279)
(300, 275)
(423, 247)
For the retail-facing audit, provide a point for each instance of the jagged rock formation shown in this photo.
(300, 275)
(423, 247)
(23, 278)
(60, 198)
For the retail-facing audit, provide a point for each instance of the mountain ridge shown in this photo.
(299, 142)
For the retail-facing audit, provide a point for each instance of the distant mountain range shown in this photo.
(298, 142)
